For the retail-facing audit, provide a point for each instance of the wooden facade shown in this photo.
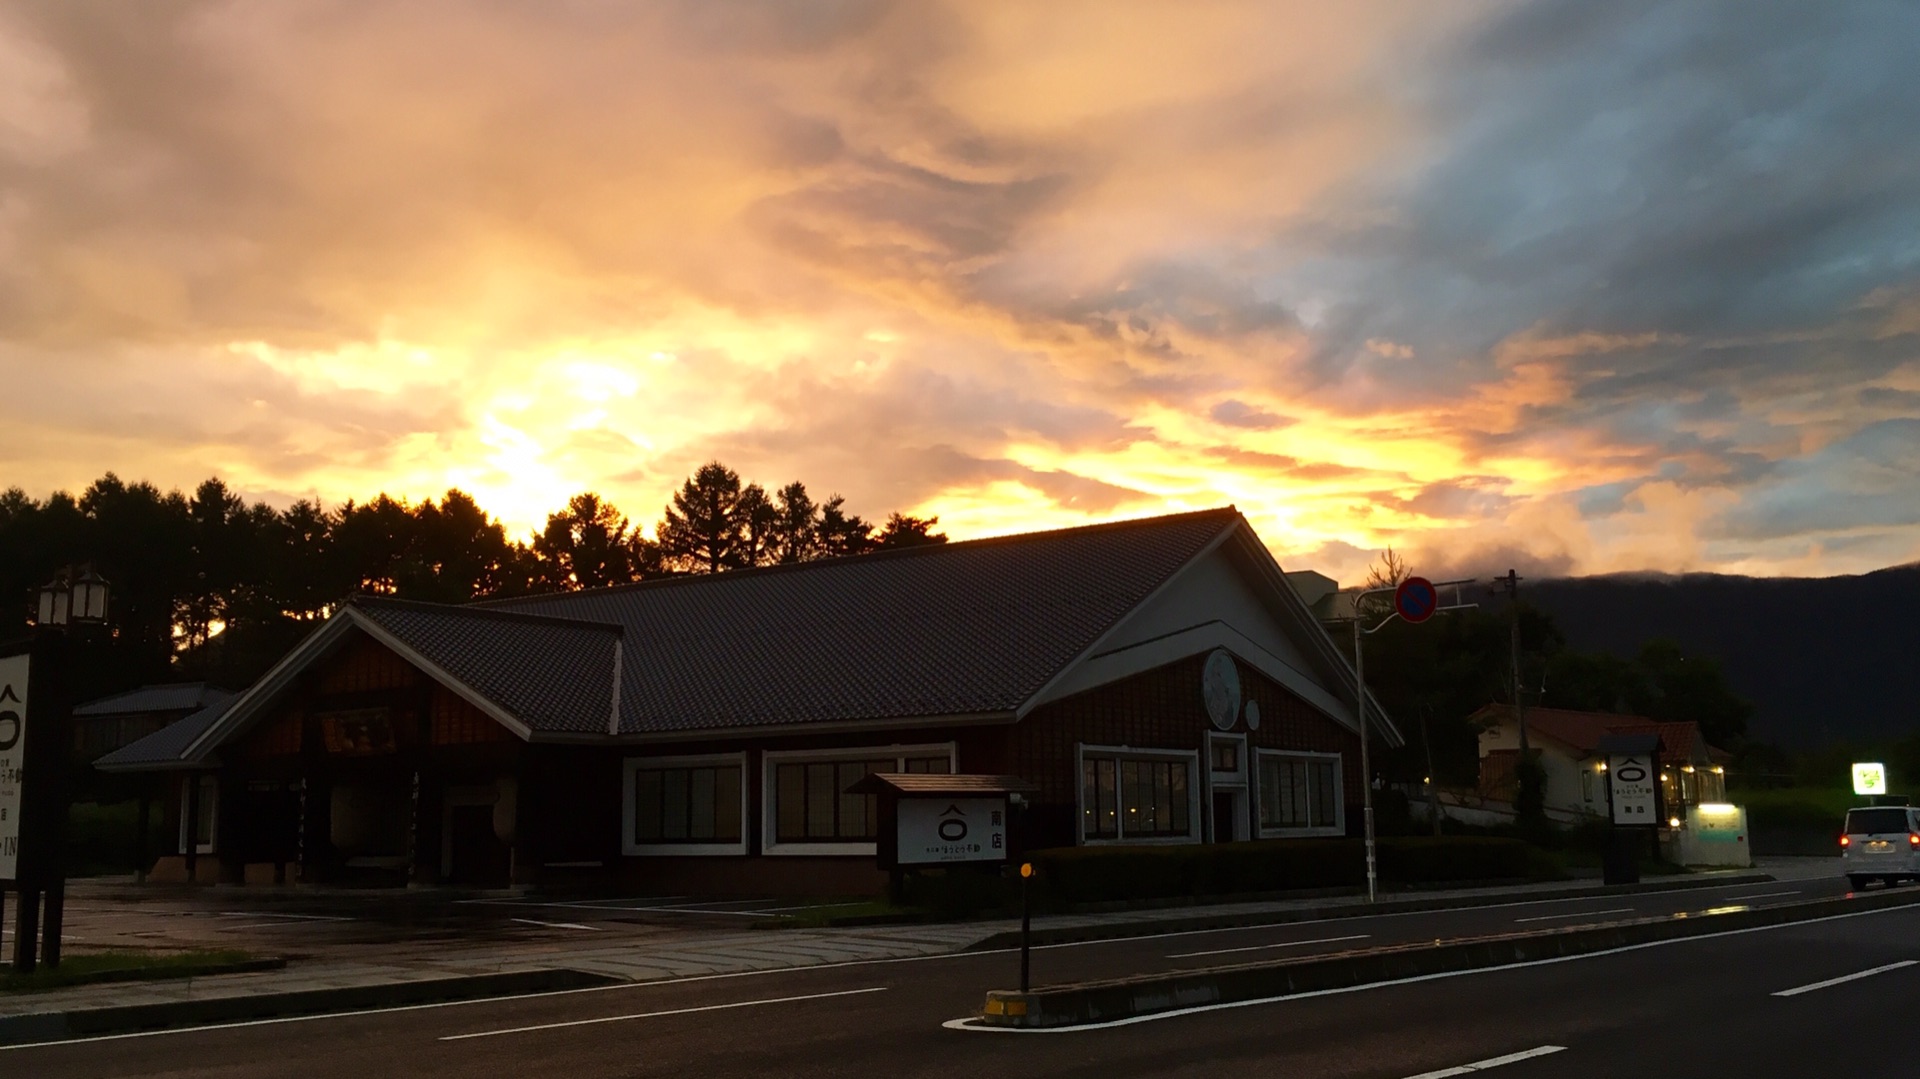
(370, 771)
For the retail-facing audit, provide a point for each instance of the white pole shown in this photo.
(1366, 770)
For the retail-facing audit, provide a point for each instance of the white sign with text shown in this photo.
(13, 751)
(1635, 786)
(934, 830)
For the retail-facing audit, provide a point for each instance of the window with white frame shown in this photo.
(1300, 793)
(686, 805)
(807, 800)
(1133, 795)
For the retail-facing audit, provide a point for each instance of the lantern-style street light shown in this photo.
(71, 603)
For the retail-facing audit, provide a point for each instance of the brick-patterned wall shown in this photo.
(365, 665)
(456, 722)
(1163, 709)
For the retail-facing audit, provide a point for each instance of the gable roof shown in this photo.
(165, 747)
(961, 629)
(963, 632)
(1582, 731)
(169, 697)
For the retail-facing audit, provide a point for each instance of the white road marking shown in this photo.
(1576, 914)
(555, 925)
(1490, 1062)
(656, 1015)
(1762, 895)
(1264, 947)
(1844, 978)
(282, 914)
(953, 1024)
(973, 1025)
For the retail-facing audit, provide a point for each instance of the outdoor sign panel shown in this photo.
(1416, 599)
(1634, 784)
(937, 830)
(1869, 778)
(13, 754)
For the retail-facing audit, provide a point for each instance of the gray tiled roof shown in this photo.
(164, 746)
(964, 628)
(553, 674)
(172, 697)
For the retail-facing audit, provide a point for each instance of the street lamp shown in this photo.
(72, 599)
(70, 604)
(88, 605)
(56, 597)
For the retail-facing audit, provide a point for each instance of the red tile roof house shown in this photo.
(699, 734)
(1692, 772)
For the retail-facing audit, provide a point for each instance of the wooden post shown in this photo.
(192, 843)
(140, 836)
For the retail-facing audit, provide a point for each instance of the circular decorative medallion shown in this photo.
(1220, 688)
(1253, 715)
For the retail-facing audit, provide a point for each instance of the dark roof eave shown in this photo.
(765, 730)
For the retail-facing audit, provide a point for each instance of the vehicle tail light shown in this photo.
(1913, 839)
(1846, 841)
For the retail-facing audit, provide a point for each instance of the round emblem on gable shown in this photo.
(1220, 688)
(1253, 715)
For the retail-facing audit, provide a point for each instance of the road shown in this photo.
(1702, 1007)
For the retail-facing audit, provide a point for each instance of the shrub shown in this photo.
(1075, 875)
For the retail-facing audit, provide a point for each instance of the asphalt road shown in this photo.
(1701, 1007)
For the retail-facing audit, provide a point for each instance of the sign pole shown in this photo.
(1026, 926)
(1366, 769)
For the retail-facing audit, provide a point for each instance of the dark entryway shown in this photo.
(1223, 814)
(479, 859)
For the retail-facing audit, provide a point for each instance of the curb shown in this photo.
(1124, 998)
(1331, 911)
(33, 1027)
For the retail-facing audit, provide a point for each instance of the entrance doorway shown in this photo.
(476, 856)
(1229, 814)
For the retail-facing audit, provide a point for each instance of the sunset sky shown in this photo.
(1579, 287)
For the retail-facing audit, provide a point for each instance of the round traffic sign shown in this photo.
(1416, 599)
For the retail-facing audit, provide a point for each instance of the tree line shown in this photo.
(208, 585)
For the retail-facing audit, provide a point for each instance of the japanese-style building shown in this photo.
(1156, 681)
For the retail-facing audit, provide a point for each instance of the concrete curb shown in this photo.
(1123, 998)
(90, 1022)
(1327, 912)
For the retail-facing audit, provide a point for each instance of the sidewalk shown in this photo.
(687, 954)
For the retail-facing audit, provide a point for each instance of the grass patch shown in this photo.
(91, 967)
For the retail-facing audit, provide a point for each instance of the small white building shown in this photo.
(1692, 772)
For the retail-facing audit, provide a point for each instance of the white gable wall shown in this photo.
(1209, 604)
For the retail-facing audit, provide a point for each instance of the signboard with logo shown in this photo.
(1634, 783)
(1869, 778)
(933, 831)
(13, 754)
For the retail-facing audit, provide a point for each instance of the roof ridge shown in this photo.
(1227, 512)
(471, 610)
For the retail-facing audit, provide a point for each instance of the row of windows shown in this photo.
(1124, 795)
(701, 803)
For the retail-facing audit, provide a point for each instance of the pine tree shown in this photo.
(701, 532)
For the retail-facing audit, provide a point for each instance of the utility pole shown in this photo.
(1512, 581)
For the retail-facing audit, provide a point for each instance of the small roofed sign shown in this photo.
(13, 750)
(938, 830)
(1634, 788)
(1869, 777)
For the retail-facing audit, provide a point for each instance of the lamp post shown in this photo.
(72, 603)
(1360, 633)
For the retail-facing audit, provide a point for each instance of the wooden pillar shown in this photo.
(144, 825)
(192, 839)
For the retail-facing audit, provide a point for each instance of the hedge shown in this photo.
(1073, 875)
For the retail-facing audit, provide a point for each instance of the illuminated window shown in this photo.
(1133, 795)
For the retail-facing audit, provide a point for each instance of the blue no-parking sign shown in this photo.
(1416, 599)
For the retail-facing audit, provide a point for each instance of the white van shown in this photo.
(1882, 842)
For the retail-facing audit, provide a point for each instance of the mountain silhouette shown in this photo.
(1822, 659)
